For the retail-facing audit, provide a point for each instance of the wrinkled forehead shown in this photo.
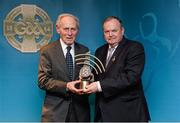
(68, 22)
(69, 25)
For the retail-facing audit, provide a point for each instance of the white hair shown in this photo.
(58, 21)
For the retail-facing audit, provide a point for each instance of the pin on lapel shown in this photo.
(114, 58)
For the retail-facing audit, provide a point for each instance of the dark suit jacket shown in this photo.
(122, 97)
(52, 78)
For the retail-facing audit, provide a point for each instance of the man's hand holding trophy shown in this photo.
(89, 63)
(85, 76)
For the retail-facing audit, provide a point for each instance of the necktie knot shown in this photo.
(68, 48)
(111, 49)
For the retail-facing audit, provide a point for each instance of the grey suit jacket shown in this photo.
(52, 78)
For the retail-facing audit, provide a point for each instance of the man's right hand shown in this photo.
(71, 87)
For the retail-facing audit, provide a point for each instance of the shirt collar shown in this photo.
(64, 46)
(113, 47)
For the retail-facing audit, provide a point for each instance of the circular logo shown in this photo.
(28, 28)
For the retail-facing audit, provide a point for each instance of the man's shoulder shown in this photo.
(133, 45)
(81, 46)
(102, 47)
(49, 46)
(132, 42)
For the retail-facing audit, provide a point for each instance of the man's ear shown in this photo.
(123, 30)
(57, 29)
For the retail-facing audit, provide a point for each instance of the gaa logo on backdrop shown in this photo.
(28, 28)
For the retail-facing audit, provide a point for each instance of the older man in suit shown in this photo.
(57, 72)
(119, 92)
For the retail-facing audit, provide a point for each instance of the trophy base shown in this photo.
(83, 85)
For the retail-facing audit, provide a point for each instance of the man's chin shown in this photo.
(69, 42)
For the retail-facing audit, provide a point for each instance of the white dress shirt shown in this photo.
(64, 48)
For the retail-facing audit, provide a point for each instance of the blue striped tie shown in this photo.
(69, 62)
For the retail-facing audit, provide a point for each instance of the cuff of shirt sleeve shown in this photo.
(67, 88)
(99, 86)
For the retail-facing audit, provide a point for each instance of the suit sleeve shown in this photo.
(123, 78)
(46, 81)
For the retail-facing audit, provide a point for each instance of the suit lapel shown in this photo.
(77, 50)
(103, 59)
(101, 56)
(61, 59)
(116, 54)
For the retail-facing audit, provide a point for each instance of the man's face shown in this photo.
(68, 30)
(113, 32)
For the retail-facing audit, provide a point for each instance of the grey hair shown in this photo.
(58, 21)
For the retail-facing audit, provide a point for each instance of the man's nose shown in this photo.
(110, 33)
(69, 32)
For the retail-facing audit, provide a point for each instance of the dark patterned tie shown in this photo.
(69, 62)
